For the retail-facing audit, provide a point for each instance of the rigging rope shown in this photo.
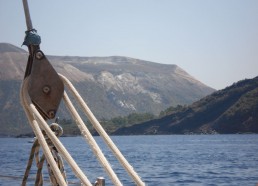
(50, 144)
(101, 131)
(35, 126)
(33, 153)
(38, 123)
(36, 120)
(40, 161)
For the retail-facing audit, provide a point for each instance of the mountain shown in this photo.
(231, 110)
(111, 86)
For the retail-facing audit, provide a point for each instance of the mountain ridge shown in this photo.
(7, 47)
(111, 86)
(230, 110)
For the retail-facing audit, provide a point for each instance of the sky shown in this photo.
(215, 41)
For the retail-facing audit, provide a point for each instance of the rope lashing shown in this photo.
(31, 38)
(37, 121)
(57, 129)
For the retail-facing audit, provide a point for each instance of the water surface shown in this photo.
(160, 160)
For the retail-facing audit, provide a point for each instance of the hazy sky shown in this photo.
(216, 41)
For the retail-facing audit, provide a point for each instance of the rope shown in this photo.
(31, 157)
(57, 129)
(37, 120)
(52, 146)
(89, 138)
(31, 38)
(35, 127)
(100, 130)
(60, 164)
(40, 161)
(39, 177)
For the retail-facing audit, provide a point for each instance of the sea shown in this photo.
(208, 160)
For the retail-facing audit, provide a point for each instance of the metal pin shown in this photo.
(46, 89)
(39, 55)
(51, 114)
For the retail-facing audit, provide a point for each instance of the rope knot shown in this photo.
(31, 38)
(57, 129)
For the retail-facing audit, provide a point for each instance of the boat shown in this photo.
(41, 92)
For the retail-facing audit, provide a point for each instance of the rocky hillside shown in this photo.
(112, 86)
(231, 110)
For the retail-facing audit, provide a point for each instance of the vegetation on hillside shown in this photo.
(231, 110)
(70, 127)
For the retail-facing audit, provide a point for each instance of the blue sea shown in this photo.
(225, 160)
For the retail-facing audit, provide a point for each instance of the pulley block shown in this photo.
(45, 87)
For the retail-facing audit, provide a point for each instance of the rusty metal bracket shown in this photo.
(45, 87)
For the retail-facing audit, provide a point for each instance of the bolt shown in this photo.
(51, 114)
(46, 89)
(39, 55)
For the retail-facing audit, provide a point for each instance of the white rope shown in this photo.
(102, 133)
(40, 137)
(30, 108)
(89, 138)
(37, 123)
